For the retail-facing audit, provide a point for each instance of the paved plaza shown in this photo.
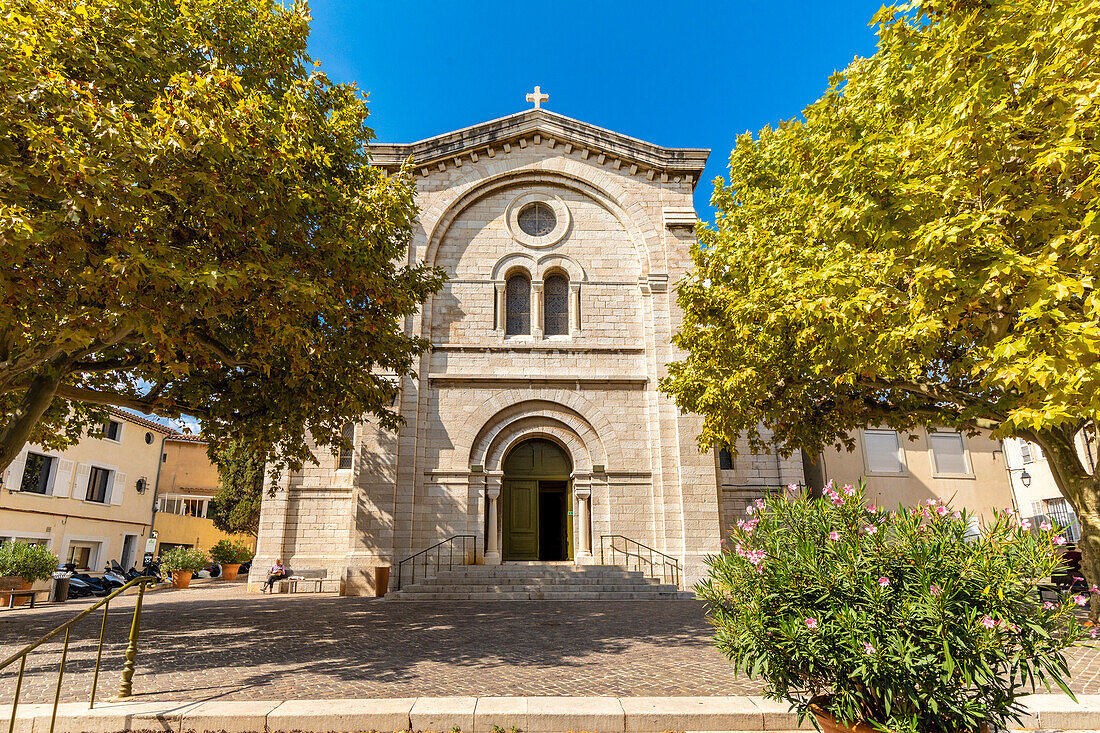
(216, 641)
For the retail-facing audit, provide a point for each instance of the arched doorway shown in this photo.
(538, 502)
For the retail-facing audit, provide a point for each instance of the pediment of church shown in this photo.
(542, 126)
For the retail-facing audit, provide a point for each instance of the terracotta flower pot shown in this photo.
(829, 724)
(229, 570)
(14, 583)
(181, 578)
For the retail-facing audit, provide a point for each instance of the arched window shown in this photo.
(556, 296)
(517, 297)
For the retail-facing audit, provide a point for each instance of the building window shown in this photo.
(81, 555)
(517, 295)
(194, 508)
(883, 451)
(347, 457)
(112, 430)
(98, 481)
(556, 297)
(949, 454)
(725, 459)
(1030, 452)
(537, 219)
(36, 474)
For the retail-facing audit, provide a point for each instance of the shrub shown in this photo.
(183, 558)
(901, 619)
(227, 551)
(30, 562)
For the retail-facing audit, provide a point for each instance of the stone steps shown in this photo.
(525, 582)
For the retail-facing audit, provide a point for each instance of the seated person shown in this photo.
(277, 572)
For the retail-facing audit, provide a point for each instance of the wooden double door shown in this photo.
(537, 507)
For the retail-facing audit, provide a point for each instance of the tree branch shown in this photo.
(154, 406)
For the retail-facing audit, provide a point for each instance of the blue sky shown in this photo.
(687, 74)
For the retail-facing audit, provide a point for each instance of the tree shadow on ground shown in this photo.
(244, 646)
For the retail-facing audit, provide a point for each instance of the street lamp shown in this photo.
(1025, 478)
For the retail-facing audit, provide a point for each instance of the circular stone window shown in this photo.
(537, 219)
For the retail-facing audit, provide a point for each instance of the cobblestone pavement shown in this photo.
(217, 641)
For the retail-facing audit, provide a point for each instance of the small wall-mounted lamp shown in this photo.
(1025, 478)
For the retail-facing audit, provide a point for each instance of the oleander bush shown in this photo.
(228, 551)
(908, 620)
(30, 562)
(183, 558)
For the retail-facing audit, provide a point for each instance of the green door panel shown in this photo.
(521, 519)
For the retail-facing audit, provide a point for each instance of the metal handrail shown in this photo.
(450, 543)
(125, 687)
(669, 565)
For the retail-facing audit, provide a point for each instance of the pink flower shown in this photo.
(870, 529)
(1077, 578)
(956, 514)
(759, 503)
(1094, 589)
(1048, 605)
(942, 511)
(930, 502)
(811, 623)
(834, 536)
(1045, 526)
(1025, 524)
(792, 487)
(1092, 633)
(868, 648)
(750, 509)
(1080, 600)
(935, 589)
(872, 509)
(849, 490)
(1058, 540)
(883, 581)
(988, 622)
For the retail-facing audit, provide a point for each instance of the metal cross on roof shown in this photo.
(537, 97)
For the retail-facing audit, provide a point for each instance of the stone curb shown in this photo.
(474, 715)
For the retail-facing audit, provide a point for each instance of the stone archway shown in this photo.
(537, 502)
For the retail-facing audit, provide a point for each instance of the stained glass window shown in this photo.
(556, 293)
(517, 295)
(537, 219)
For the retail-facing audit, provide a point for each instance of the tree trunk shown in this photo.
(36, 400)
(1082, 490)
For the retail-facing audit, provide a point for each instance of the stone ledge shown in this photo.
(476, 715)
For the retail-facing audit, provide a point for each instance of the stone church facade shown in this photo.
(535, 424)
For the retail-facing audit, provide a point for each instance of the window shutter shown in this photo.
(883, 451)
(14, 474)
(119, 489)
(80, 486)
(62, 478)
(949, 453)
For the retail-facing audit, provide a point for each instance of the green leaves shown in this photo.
(900, 619)
(920, 248)
(190, 224)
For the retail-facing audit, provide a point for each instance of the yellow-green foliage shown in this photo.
(921, 247)
(189, 223)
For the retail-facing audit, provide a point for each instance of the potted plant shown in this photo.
(182, 562)
(21, 564)
(896, 621)
(230, 555)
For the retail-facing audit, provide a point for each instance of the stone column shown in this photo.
(574, 308)
(536, 308)
(492, 538)
(583, 534)
(500, 312)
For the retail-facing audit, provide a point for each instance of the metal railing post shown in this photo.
(126, 686)
(99, 654)
(60, 675)
(18, 685)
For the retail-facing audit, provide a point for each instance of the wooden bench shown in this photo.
(314, 578)
(21, 594)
